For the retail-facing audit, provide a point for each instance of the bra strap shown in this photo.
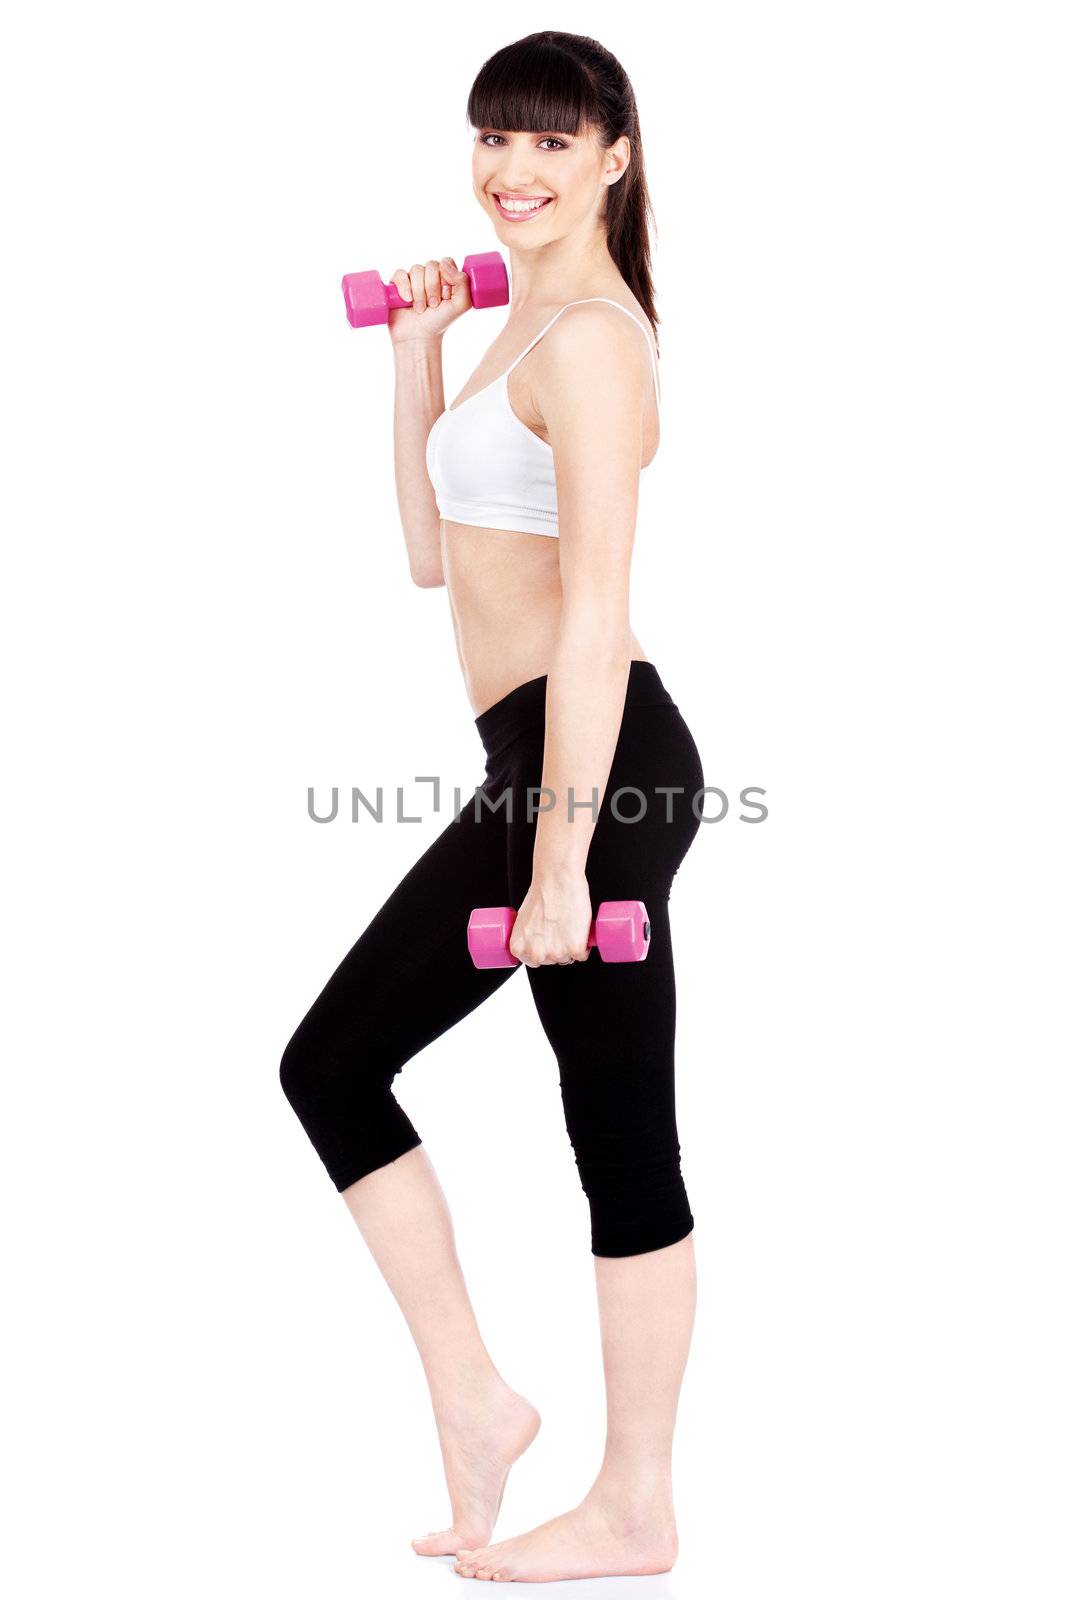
(585, 302)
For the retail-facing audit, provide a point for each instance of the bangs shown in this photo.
(532, 87)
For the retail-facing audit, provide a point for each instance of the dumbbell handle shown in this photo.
(394, 300)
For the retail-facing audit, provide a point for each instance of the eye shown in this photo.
(549, 138)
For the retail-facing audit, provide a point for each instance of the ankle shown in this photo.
(468, 1392)
(634, 1497)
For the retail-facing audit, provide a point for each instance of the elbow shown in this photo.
(427, 577)
(424, 556)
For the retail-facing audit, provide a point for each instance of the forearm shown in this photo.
(419, 401)
(586, 693)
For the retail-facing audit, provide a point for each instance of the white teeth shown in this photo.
(522, 205)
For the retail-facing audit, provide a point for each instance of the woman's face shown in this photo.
(567, 173)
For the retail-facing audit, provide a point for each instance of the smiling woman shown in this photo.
(548, 438)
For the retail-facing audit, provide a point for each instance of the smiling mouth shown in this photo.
(521, 205)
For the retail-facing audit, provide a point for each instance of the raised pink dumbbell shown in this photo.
(621, 932)
(368, 300)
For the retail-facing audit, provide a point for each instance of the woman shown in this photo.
(522, 501)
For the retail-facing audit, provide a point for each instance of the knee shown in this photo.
(339, 1089)
(292, 1069)
(637, 1205)
(301, 1070)
(626, 1228)
(328, 1097)
(329, 1073)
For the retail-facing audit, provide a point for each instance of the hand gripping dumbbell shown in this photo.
(621, 932)
(369, 301)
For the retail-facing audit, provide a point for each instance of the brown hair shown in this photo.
(568, 83)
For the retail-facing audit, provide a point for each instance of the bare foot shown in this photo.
(480, 1439)
(595, 1540)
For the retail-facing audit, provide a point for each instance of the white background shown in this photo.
(845, 573)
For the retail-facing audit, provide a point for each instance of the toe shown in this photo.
(440, 1543)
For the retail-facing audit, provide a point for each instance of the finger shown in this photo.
(449, 275)
(403, 283)
(433, 283)
(418, 286)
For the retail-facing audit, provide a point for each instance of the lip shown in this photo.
(525, 216)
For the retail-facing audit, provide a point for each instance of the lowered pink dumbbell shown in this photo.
(621, 932)
(369, 301)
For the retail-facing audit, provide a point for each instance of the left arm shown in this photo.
(591, 396)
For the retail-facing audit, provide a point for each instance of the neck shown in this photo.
(553, 273)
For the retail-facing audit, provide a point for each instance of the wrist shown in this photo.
(552, 872)
(423, 344)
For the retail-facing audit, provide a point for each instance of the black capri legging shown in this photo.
(409, 976)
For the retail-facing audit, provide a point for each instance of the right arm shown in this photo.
(439, 293)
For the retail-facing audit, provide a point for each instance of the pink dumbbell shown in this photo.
(621, 932)
(369, 301)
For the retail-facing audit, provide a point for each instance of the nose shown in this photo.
(516, 180)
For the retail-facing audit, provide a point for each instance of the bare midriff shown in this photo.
(506, 598)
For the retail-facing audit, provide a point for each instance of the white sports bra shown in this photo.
(487, 467)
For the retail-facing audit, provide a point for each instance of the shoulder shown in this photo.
(596, 347)
(592, 327)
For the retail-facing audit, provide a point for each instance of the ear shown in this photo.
(617, 159)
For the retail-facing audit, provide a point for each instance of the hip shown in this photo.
(656, 775)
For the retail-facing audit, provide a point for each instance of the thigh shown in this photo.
(409, 975)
